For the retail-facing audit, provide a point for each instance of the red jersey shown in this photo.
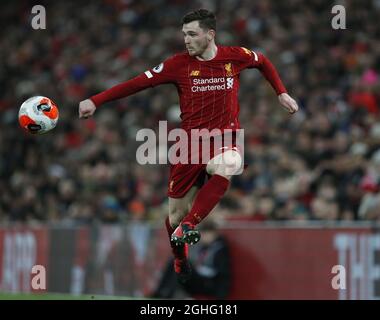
(208, 90)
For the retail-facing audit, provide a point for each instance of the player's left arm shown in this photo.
(270, 73)
(288, 102)
(267, 69)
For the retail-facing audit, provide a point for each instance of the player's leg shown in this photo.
(222, 167)
(178, 208)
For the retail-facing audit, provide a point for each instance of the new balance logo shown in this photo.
(195, 73)
(196, 216)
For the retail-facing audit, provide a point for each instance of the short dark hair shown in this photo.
(206, 18)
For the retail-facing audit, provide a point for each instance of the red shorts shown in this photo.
(184, 176)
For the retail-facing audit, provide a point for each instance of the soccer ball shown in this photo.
(38, 115)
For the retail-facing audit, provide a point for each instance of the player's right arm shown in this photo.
(163, 73)
(86, 108)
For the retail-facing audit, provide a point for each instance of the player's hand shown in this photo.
(288, 103)
(86, 108)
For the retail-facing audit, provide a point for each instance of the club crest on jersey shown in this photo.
(228, 68)
(158, 69)
(195, 73)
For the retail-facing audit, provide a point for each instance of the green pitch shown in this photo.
(58, 296)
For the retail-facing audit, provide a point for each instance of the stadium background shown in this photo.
(311, 190)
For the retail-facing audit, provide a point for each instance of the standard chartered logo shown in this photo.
(211, 84)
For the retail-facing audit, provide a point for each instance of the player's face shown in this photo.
(196, 39)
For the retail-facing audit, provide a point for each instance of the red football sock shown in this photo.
(207, 198)
(179, 252)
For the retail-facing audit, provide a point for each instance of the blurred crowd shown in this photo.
(321, 164)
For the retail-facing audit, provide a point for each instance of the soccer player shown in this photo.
(206, 76)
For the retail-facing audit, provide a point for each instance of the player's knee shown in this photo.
(227, 164)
